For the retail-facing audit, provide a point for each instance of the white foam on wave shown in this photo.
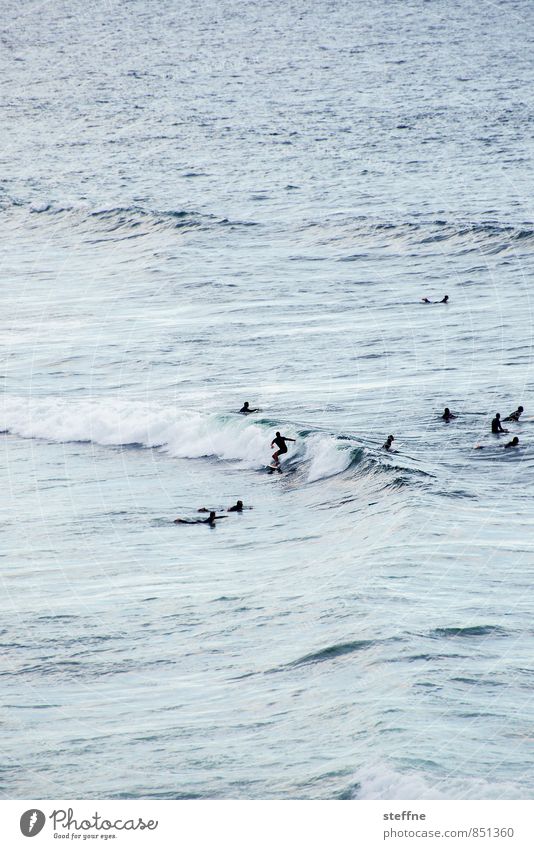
(325, 457)
(383, 782)
(177, 432)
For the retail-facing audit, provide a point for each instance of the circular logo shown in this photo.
(32, 822)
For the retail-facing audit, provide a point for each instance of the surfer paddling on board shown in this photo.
(238, 507)
(513, 444)
(444, 300)
(280, 442)
(514, 417)
(245, 409)
(209, 521)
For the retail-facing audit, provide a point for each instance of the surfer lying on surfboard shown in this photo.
(209, 521)
(238, 507)
(444, 300)
(246, 408)
(280, 442)
(513, 444)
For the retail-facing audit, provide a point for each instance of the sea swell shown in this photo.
(190, 434)
(341, 231)
(129, 221)
(419, 236)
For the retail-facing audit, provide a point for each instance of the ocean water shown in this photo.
(202, 203)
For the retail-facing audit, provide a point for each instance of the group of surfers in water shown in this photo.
(279, 440)
(238, 507)
(281, 448)
(496, 428)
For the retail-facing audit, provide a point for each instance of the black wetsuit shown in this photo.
(281, 443)
(191, 521)
(209, 521)
(513, 417)
(496, 426)
(235, 509)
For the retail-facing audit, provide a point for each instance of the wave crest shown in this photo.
(315, 456)
(457, 237)
(179, 433)
(131, 221)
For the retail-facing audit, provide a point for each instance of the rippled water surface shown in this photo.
(207, 203)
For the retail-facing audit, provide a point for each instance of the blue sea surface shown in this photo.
(206, 203)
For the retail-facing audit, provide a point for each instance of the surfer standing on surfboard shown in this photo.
(280, 441)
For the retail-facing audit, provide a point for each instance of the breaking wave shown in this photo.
(380, 781)
(186, 434)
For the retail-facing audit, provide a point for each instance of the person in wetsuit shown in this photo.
(496, 426)
(514, 417)
(246, 409)
(209, 521)
(513, 444)
(388, 443)
(237, 508)
(444, 300)
(447, 415)
(280, 442)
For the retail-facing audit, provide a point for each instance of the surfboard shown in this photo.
(272, 469)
